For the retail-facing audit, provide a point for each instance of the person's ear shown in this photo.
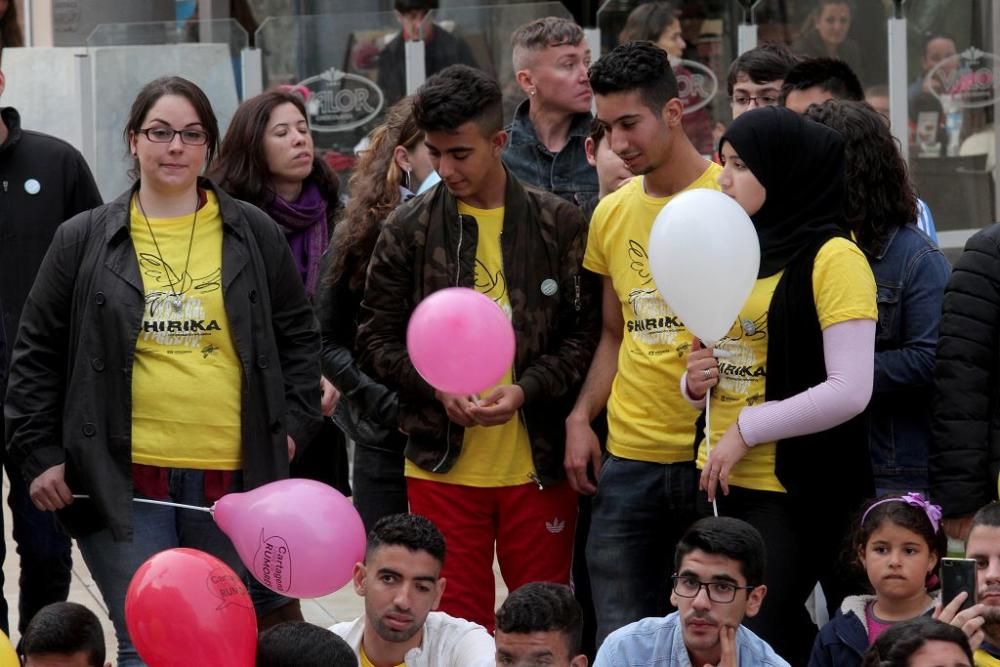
(440, 585)
(578, 661)
(590, 150)
(3, 82)
(360, 577)
(402, 158)
(673, 112)
(132, 144)
(525, 81)
(754, 601)
(499, 141)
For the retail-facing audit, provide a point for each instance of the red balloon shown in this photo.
(185, 607)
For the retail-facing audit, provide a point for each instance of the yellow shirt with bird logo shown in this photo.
(492, 456)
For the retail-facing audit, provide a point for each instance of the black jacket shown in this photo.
(29, 219)
(425, 246)
(69, 399)
(965, 421)
(441, 49)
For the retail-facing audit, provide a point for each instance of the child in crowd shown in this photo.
(301, 644)
(898, 543)
(63, 634)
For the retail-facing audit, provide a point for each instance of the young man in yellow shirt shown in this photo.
(646, 496)
(488, 469)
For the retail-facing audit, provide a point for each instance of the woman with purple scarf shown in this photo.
(267, 158)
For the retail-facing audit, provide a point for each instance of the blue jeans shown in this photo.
(155, 528)
(640, 512)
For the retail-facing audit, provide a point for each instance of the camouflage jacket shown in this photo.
(425, 245)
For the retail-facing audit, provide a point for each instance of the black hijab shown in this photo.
(801, 165)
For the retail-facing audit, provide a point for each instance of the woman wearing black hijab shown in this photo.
(795, 370)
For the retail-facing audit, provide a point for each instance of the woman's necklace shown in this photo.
(176, 298)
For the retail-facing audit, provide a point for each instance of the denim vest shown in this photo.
(566, 173)
(911, 274)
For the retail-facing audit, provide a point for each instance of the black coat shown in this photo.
(69, 395)
(965, 423)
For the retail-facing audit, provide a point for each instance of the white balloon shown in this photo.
(704, 255)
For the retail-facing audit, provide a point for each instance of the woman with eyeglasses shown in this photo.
(167, 351)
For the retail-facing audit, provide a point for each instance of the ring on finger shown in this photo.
(707, 374)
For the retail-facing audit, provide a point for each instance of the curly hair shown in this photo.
(641, 66)
(374, 187)
(896, 646)
(880, 196)
(457, 95)
(415, 532)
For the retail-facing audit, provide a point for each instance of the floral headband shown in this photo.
(933, 512)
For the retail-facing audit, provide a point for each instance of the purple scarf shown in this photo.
(304, 224)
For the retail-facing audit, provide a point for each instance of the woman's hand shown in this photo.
(723, 456)
(702, 370)
(330, 396)
(49, 491)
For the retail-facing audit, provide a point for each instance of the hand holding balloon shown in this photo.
(702, 370)
(457, 407)
(499, 406)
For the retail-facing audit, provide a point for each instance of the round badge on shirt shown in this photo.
(549, 287)
(32, 186)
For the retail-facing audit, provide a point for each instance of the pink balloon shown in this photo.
(460, 341)
(298, 537)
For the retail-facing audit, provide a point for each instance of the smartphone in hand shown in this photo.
(957, 575)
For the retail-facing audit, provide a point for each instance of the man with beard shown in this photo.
(718, 575)
(983, 546)
(400, 580)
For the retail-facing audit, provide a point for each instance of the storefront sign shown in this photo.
(965, 80)
(696, 84)
(340, 101)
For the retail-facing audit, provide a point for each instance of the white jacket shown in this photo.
(447, 642)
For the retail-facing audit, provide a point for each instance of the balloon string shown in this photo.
(149, 501)
(708, 439)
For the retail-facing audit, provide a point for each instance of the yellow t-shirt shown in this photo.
(983, 659)
(491, 456)
(648, 419)
(366, 661)
(843, 289)
(186, 378)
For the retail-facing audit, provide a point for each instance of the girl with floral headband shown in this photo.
(898, 544)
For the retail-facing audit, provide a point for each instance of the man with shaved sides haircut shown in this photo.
(547, 135)
(648, 484)
(487, 469)
(400, 580)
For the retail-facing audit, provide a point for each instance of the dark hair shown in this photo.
(902, 514)
(828, 74)
(544, 33)
(171, 85)
(987, 515)
(880, 197)
(596, 133)
(10, 29)
(729, 537)
(543, 607)
(928, 38)
(766, 63)
(402, 6)
(301, 644)
(457, 95)
(65, 628)
(647, 22)
(896, 645)
(641, 66)
(412, 531)
(374, 188)
(241, 168)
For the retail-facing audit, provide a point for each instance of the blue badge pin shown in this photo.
(32, 186)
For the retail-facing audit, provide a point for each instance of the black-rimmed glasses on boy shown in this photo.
(164, 135)
(722, 592)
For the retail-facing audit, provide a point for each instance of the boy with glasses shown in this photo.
(756, 77)
(718, 574)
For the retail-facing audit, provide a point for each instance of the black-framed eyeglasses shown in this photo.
(164, 135)
(761, 100)
(723, 592)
